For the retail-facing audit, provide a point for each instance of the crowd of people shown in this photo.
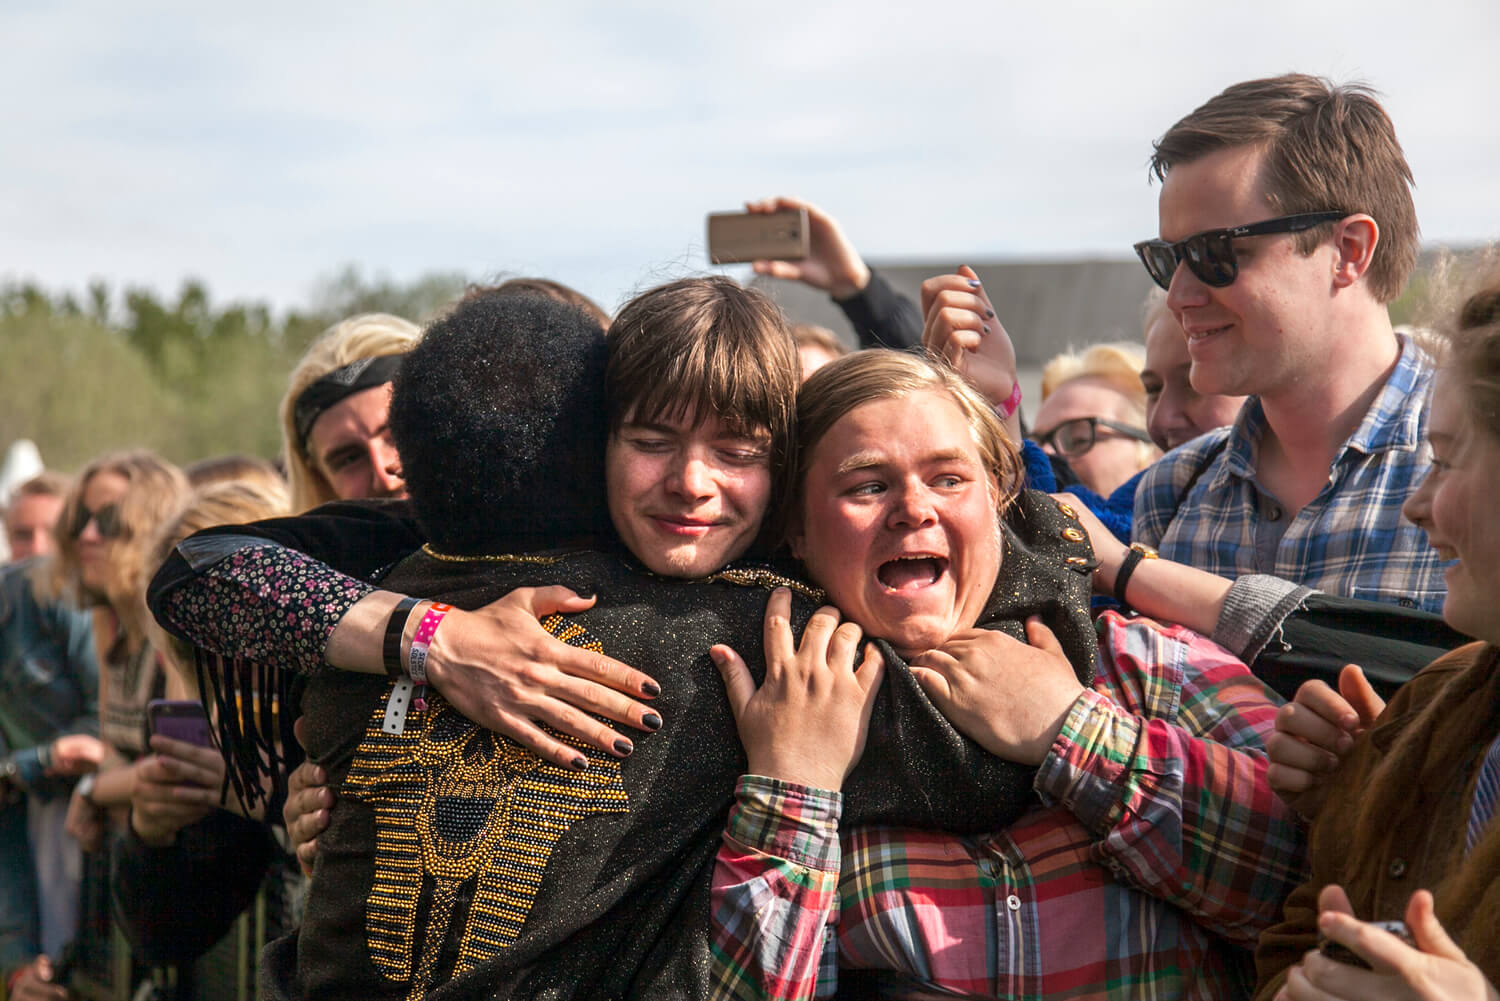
(690, 653)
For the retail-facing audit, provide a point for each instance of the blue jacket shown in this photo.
(49, 677)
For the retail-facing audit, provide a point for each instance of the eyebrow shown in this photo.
(870, 459)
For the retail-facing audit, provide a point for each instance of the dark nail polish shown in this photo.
(580, 763)
(623, 746)
(586, 595)
(650, 688)
(989, 314)
(973, 283)
(651, 721)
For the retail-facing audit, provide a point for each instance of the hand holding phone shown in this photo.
(182, 720)
(742, 237)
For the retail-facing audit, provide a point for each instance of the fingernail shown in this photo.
(623, 747)
(989, 314)
(586, 595)
(983, 329)
(650, 688)
(717, 657)
(580, 763)
(651, 721)
(973, 283)
(1345, 742)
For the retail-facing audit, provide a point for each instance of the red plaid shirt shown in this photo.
(1159, 850)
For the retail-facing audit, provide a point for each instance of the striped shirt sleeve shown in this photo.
(1164, 762)
(775, 893)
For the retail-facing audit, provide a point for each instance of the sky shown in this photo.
(263, 147)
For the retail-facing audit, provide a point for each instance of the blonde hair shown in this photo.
(1118, 363)
(156, 489)
(368, 335)
(226, 502)
(831, 392)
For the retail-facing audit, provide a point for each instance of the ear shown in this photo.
(1355, 239)
(796, 538)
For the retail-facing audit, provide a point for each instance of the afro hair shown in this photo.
(499, 416)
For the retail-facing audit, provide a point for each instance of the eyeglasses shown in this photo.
(1210, 255)
(106, 519)
(1073, 438)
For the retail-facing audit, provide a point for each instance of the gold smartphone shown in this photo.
(738, 237)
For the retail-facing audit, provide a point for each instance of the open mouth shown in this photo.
(910, 572)
(1203, 335)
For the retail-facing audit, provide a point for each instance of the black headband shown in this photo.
(336, 385)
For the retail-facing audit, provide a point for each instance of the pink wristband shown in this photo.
(1011, 402)
(416, 657)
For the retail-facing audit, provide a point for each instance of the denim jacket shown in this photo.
(49, 677)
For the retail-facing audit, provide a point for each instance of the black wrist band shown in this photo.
(1133, 557)
(390, 650)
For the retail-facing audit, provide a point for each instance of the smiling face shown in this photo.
(350, 445)
(898, 520)
(1258, 334)
(1455, 504)
(1175, 411)
(686, 497)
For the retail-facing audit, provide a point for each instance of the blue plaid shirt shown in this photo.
(1350, 541)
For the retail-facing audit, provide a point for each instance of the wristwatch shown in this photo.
(1138, 551)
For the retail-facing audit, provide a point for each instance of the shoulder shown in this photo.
(1161, 487)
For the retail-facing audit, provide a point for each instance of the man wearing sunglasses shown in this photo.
(1286, 226)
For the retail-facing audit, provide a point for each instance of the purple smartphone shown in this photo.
(181, 720)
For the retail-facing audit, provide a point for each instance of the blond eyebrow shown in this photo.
(871, 459)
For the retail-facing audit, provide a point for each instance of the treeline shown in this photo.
(187, 378)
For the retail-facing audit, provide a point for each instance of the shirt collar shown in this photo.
(1394, 421)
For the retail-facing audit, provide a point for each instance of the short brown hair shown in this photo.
(43, 484)
(1327, 148)
(704, 346)
(863, 377)
(556, 291)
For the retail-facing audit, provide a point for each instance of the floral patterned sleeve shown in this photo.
(259, 601)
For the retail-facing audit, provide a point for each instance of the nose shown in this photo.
(1166, 419)
(1185, 291)
(385, 468)
(1418, 506)
(690, 477)
(912, 506)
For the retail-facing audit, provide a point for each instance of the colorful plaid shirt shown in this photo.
(1157, 852)
(1351, 540)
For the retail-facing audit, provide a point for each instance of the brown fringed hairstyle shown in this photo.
(703, 347)
(157, 488)
(1327, 148)
(866, 376)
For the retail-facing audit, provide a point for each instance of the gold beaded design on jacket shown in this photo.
(453, 802)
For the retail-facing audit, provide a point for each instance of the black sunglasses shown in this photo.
(1070, 439)
(107, 519)
(1210, 255)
